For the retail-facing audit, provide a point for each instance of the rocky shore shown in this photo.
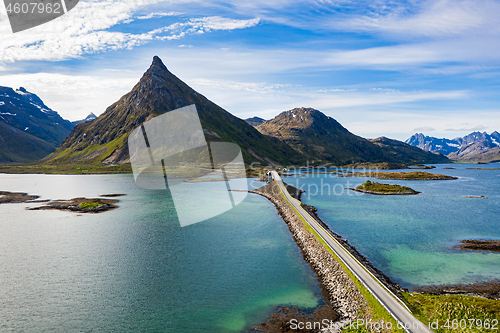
(491, 245)
(414, 175)
(9, 197)
(384, 189)
(383, 193)
(343, 295)
(77, 205)
(486, 289)
(80, 205)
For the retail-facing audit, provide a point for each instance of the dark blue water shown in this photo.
(410, 238)
(134, 269)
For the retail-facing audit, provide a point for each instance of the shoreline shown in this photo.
(343, 295)
(487, 289)
(382, 193)
(386, 280)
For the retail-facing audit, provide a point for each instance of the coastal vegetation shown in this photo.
(65, 169)
(90, 205)
(376, 166)
(80, 205)
(484, 168)
(414, 175)
(375, 310)
(384, 189)
(455, 313)
(421, 166)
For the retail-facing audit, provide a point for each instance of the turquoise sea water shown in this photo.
(135, 269)
(410, 238)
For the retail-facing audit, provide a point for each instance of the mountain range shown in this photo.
(475, 147)
(159, 91)
(292, 137)
(321, 138)
(29, 130)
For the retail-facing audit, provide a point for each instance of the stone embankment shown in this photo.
(343, 294)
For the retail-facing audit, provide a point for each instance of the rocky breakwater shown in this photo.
(343, 294)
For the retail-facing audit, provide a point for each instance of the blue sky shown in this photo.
(378, 67)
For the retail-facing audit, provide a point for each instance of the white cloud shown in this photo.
(401, 125)
(266, 100)
(156, 15)
(85, 30)
(253, 87)
(205, 24)
(81, 31)
(430, 18)
(471, 129)
(424, 129)
(355, 99)
(421, 55)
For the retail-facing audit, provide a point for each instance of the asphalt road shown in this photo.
(390, 302)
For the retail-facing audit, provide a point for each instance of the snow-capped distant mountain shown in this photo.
(29, 129)
(90, 117)
(435, 145)
(471, 147)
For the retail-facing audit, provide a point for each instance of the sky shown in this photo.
(380, 67)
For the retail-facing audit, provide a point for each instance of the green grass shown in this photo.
(378, 312)
(65, 169)
(385, 188)
(66, 156)
(90, 205)
(443, 308)
(483, 168)
(415, 175)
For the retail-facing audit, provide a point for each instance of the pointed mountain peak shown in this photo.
(159, 73)
(157, 63)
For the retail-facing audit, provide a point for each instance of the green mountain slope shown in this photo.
(104, 140)
(19, 147)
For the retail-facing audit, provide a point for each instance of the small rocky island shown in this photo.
(9, 197)
(478, 245)
(77, 205)
(384, 189)
(80, 205)
(415, 175)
